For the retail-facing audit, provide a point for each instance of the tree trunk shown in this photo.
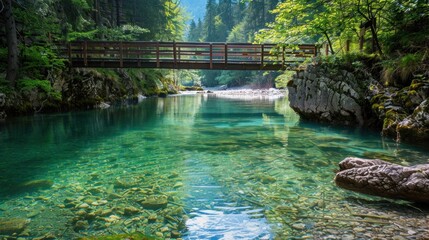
(12, 45)
(118, 13)
(375, 43)
(361, 39)
(329, 42)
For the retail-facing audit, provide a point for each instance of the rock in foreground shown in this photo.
(13, 225)
(384, 179)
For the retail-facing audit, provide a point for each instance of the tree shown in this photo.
(12, 44)
(192, 35)
(210, 20)
(226, 14)
(369, 10)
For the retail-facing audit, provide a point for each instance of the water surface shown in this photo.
(229, 169)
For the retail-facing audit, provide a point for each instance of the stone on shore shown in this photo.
(384, 179)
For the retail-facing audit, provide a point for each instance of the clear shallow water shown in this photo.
(230, 169)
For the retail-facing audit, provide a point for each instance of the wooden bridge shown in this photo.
(186, 55)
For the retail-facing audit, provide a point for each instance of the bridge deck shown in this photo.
(184, 55)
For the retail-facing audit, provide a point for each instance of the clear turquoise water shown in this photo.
(231, 169)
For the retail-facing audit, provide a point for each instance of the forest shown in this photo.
(390, 35)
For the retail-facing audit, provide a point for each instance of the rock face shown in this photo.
(415, 126)
(404, 113)
(384, 179)
(2, 104)
(330, 95)
(340, 95)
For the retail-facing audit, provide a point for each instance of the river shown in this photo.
(195, 167)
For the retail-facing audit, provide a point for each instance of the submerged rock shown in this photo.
(128, 211)
(35, 185)
(384, 179)
(154, 202)
(12, 225)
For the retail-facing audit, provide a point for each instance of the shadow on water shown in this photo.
(385, 205)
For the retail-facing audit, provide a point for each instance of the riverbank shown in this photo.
(346, 94)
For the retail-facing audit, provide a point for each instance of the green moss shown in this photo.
(377, 107)
(378, 100)
(416, 85)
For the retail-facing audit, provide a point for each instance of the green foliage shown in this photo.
(399, 71)
(238, 33)
(189, 77)
(81, 4)
(282, 80)
(43, 86)
(195, 31)
(126, 32)
(233, 21)
(233, 78)
(38, 60)
(87, 35)
(37, 21)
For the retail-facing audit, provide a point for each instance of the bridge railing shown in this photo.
(185, 55)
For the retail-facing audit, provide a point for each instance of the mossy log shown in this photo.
(384, 179)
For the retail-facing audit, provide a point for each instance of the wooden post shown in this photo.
(85, 53)
(174, 54)
(157, 55)
(69, 52)
(226, 55)
(121, 53)
(211, 56)
(315, 50)
(178, 56)
(327, 50)
(262, 55)
(283, 57)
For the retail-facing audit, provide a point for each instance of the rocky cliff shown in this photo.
(331, 95)
(352, 96)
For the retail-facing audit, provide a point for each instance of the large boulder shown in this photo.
(329, 95)
(384, 179)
